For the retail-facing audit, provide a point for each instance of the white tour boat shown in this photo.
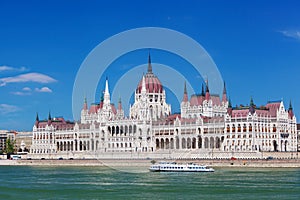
(178, 167)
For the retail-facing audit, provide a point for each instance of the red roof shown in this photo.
(273, 107)
(270, 110)
(196, 100)
(215, 100)
(57, 123)
(240, 113)
(94, 108)
(153, 84)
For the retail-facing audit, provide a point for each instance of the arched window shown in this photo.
(130, 129)
(250, 127)
(134, 128)
(244, 128)
(233, 128)
(274, 128)
(239, 128)
(228, 128)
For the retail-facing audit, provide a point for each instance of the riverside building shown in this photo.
(207, 127)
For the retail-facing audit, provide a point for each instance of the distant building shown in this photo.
(298, 131)
(23, 141)
(4, 135)
(207, 127)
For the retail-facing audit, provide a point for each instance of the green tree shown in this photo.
(9, 146)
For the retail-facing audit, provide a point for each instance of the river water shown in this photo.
(27, 182)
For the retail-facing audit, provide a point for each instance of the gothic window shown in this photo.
(233, 128)
(239, 128)
(130, 129)
(274, 128)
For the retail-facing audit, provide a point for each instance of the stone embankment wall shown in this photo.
(145, 163)
(179, 154)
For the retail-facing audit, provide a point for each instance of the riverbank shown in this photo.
(292, 163)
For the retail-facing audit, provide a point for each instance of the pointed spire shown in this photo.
(290, 106)
(49, 116)
(290, 111)
(224, 88)
(251, 102)
(149, 64)
(202, 92)
(252, 106)
(185, 95)
(120, 104)
(106, 93)
(106, 86)
(37, 120)
(224, 97)
(37, 117)
(207, 95)
(206, 83)
(85, 107)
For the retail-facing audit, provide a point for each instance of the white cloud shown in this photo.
(8, 68)
(29, 77)
(26, 89)
(291, 34)
(5, 68)
(5, 108)
(21, 93)
(43, 89)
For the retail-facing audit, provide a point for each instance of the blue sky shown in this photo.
(255, 44)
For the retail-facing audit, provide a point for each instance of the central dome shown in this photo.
(153, 84)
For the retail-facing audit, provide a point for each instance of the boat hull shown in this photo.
(174, 167)
(151, 170)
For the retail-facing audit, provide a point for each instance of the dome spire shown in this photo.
(149, 64)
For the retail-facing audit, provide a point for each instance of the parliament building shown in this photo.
(207, 127)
